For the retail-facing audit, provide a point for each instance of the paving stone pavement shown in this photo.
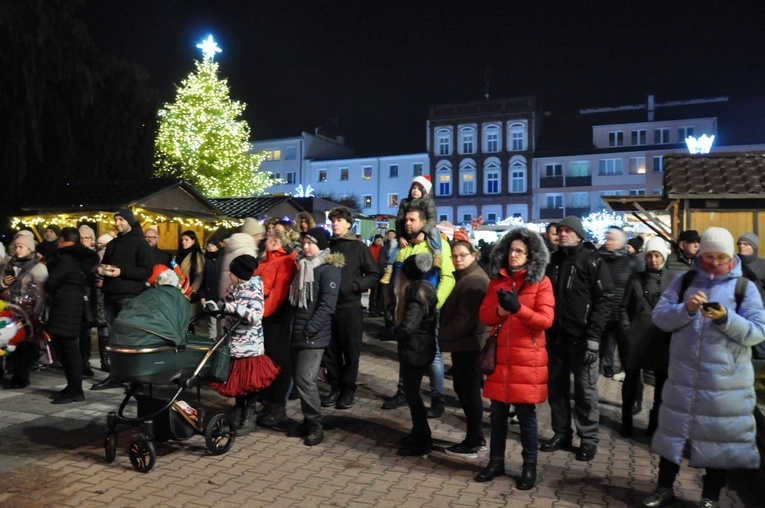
(53, 455)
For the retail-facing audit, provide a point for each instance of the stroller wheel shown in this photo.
(110, 446)
(220, 434)
(142, 454)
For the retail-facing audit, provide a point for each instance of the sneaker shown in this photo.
(387, 274)
(346, 399)
(470, 452)
(482, 447)
(395, 402)
(620, 376)
(608, 372)
(315, 434)
(301, 430)
(331, 399)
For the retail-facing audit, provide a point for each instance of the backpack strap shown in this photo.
(741, 285)
(685, 282)
(740, 292)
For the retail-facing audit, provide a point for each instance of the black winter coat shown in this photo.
(132, 255)
(360, 273)
(416, 334)
(583, 292)
(211, 276)
(69, 273)
(621, 266)
(642, 344)
(312, 326)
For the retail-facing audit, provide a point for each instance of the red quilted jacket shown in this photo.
(276, 272)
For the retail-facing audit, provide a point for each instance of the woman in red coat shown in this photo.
(520, 299)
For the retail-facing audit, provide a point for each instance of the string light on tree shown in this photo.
(597, 223)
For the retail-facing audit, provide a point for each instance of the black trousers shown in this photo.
(68, 351)
(712, 482)
(412, 381)
(341, 358)
(467, 385)
(276, 340)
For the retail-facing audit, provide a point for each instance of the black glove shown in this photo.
(508, 301)
(591, 353)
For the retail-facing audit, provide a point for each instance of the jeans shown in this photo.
(305, 370)
(341, 358)
(527, 419)
(564, 359)
(608, 344)
(112, 308)
(467, 384)
(420, 428)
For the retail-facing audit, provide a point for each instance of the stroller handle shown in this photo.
(191, 381)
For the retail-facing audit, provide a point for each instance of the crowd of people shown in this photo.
(554, 308)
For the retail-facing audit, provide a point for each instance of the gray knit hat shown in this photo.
(751, 239)
(573, 223)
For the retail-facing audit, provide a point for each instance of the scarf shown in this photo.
(720, 269)
(301, 290)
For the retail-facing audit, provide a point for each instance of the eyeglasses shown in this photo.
(151, 237)
(461, 256)
(517, 252)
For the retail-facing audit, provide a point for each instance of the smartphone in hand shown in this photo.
(711, 305)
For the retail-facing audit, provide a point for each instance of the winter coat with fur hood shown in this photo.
(520, 375)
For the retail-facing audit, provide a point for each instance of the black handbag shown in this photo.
(487, 358)
(220, 363)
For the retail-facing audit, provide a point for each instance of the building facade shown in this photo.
(480, 158)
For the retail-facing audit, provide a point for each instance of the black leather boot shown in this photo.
(528, 476)
(495, 467)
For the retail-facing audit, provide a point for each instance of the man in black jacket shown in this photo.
(125, 268)
(685, 251)
(359, 274)
(583, 289)
(158, 256)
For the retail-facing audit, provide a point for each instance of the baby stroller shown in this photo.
(149, 346)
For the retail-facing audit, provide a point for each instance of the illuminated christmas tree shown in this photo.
(203, 139)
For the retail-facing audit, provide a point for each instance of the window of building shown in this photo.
(444, 179)
(273, 155)
(657, 191)
(366, 172)
(616, 138)
(580, 199)
(658, 164)
(491, 139)
(608, 193)
(637, 165)
(444, 142)
(638, 137)
(580, 168)
(276, 176)
(467, 140)
(491, 213)
(491, 217)
(466, 213)
(492, 179)
(610, 166)
(637, 192)
(554, 201)
(290, 153)
(366, 201)
(684, 132)
(517, 137)
(467, 179)
(444, 213)
(417, 169)
(291, 177)
(661, 136)
(322, 175)
(392, 200)
(553, 170)
(393, 171)
(517, 175)
(343, 174)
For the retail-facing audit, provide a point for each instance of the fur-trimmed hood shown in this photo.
(335, 259)
(539, 256)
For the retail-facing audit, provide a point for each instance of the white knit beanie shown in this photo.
(657, 244)
(717, 240)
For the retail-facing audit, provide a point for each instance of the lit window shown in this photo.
(322, 175)
(637, 165)
(580, 168)
(467, 176)
(444, 182)
(273, 155)
(366, 172)
(580, 200)
(616, 138)
(392, 200)
(366, 201)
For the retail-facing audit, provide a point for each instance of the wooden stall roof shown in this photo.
(725, 175)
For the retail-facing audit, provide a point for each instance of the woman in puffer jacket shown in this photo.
(708, 399)
(520, 300)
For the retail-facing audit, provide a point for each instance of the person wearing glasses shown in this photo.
(520, 300)
(158, 256)
(463, 335)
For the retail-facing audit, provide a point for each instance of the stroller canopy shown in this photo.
(157, 317)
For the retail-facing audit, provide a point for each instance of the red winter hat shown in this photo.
(424, 182)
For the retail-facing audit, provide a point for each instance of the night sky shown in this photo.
(369, 70)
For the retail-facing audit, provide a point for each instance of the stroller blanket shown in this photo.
(157, 317)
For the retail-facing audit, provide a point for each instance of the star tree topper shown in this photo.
(209, 47)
